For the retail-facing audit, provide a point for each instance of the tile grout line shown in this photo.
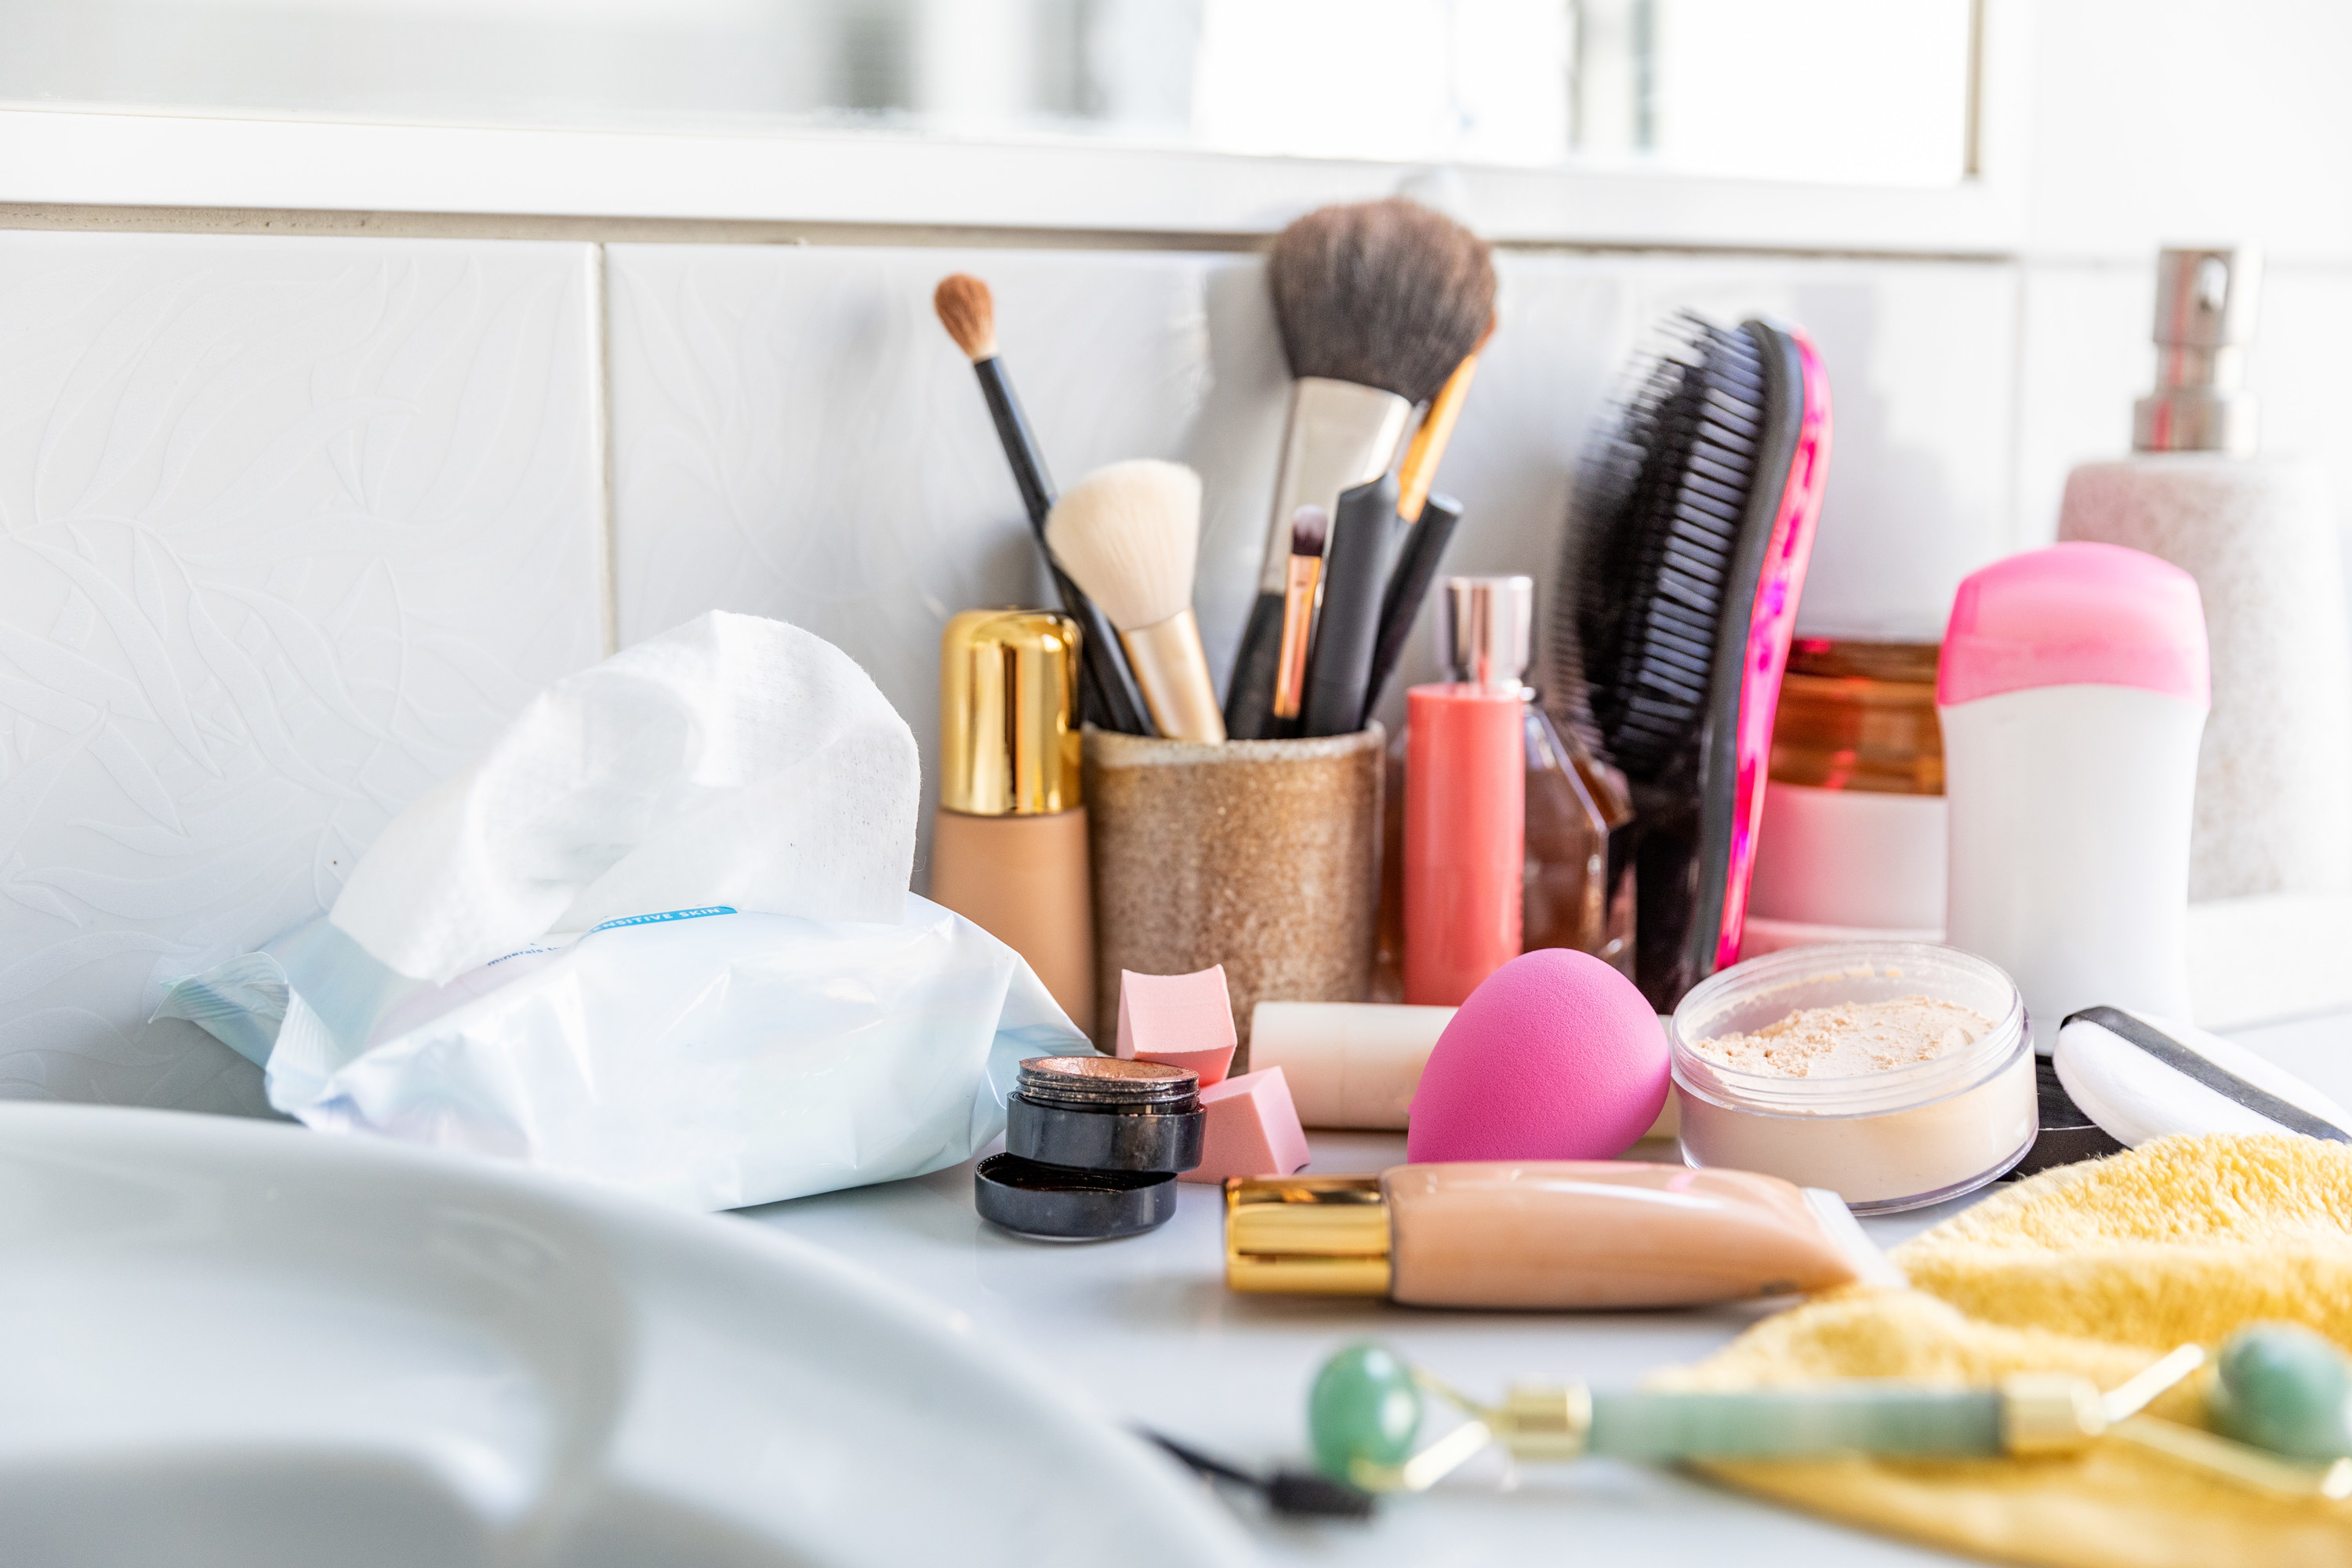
(608, 533)
(828, 233)
(2020, 335)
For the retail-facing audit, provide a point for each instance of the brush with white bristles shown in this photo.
(1129, 535)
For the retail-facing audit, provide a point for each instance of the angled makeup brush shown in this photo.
(967, 311)
(1128, 534)
(1417, 561)
(1431, 529)
(1377, 304)
(1419, 469)
(1308, 531)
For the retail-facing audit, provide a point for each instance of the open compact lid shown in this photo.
(2142, 1078)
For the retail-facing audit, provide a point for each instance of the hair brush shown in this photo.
(1689, 530)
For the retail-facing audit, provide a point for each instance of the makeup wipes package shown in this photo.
(657, 935)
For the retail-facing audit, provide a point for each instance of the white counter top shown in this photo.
(1146, 1327)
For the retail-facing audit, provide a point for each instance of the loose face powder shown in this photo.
(1894, 1074)
(1850, 1039)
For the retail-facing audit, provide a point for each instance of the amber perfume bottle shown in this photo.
(1579, 889)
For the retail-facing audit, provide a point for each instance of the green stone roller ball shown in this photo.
(1365, 1405)
(2284, 1388)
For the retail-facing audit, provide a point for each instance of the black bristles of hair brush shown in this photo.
(1377, 303)
(1689, 536)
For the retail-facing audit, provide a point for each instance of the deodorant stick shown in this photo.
(2072, 689)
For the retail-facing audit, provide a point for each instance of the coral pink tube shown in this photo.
(1466, 785)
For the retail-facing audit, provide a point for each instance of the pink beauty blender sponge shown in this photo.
(1556, 1057)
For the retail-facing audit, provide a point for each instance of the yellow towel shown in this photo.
(2095, 1269)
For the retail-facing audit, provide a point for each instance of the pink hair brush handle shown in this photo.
(1771, 628)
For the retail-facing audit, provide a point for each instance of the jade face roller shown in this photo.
(2284, 1388)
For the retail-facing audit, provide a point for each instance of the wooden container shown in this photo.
(1262, 856)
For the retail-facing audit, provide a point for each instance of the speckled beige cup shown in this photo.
(1262, 856)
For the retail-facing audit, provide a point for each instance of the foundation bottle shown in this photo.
(1009, 844)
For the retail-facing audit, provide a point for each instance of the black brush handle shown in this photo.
(1300, 1494)
(1106, 687)
(1357, 565)
(1020, 442)
(1106, 692)
(1249, 699)
(1416, 569)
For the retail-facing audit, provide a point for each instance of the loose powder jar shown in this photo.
(1894, 1074)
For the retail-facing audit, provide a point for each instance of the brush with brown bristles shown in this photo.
(1377, 304)
(1107, 689)
(1131, 534)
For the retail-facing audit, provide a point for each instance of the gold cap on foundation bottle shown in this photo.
(1306, 1236)
(1008, 713)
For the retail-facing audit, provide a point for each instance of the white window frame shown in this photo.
(70, 158)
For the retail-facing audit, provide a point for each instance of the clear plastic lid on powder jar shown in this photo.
(1883, 1141)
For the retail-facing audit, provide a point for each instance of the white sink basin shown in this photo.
(241, 1343)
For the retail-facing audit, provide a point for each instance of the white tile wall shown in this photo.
(286, 527)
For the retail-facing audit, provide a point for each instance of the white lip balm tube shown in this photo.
(1348, 1064)
(2072, 689)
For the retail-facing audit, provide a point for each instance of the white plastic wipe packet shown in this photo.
(658, 934)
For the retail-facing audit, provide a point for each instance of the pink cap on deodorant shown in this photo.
(2075, 615)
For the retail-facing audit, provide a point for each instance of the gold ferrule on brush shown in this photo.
(1174, 675)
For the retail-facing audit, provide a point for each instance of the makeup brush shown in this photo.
(1419, 469)
(1359, 561)
(1377, 304)
(1431, 532)
(1295, 1494)
(1417, 562)
(1307, 530)
(1129, 535)
(1106, 692)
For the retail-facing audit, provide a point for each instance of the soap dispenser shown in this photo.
(2259, 535)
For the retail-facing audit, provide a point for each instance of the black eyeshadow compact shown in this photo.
(1092, 1148)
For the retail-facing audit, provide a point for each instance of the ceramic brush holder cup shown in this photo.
(1261, 856)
